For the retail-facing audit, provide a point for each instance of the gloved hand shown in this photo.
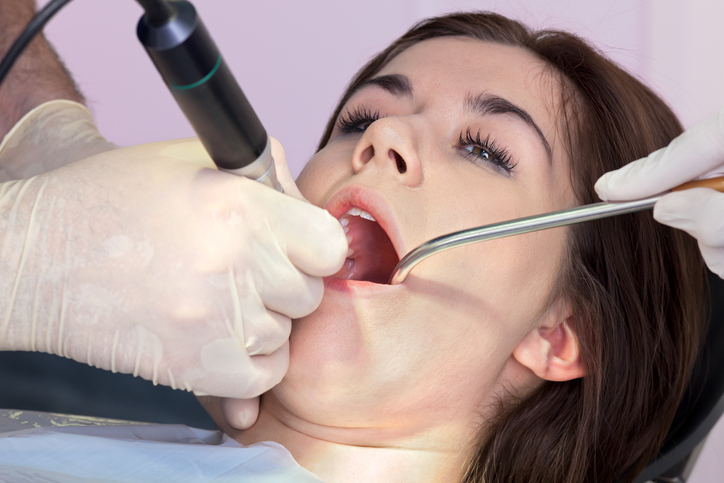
(242, 413)
(50, 136)
(698, 153)
(143, 260)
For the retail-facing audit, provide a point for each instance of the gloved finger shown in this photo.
(313, 239)
(267, 333)
(697, 211)
(698, 152)
(258, 375)
(283, 174)
(714, 259)
(292, 293)
(272, 284)
(318, 247)
(240, 413)
(271, 369)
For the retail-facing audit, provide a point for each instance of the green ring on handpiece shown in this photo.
(202, 80)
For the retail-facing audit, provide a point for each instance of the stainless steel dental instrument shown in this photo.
(534, 223)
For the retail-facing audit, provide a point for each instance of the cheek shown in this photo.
(511, 277)
(323, 173)
(417, 355)
(308, 180)
(505, 282)
(523, 271)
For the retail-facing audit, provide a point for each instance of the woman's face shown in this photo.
(453, 133)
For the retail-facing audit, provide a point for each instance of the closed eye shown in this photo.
(357, 120)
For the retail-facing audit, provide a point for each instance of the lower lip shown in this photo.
(357, 287)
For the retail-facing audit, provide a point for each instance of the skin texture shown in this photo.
(392, 383)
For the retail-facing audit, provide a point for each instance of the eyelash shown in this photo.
(499, 156)
(352, 121)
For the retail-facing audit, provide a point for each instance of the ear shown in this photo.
(551, 348)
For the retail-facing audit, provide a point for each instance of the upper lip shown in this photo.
(355, 196)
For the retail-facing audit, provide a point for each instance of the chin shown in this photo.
(324, 342)
(329, 364)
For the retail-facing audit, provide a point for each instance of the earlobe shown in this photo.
(552, 351)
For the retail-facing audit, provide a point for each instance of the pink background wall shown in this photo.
(293, 59)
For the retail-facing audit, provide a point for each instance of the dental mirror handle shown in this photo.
(528, 224)
(203, 86)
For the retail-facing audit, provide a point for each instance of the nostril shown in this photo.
(368, 154)
(401, 165)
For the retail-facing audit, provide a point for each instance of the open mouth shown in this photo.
(372, 257)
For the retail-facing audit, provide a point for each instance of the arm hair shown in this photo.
(38, 75)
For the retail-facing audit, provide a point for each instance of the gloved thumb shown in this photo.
(696, 153)
(283, 174)
(240, 413)
(698, 212)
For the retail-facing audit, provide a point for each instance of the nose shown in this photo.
(390, 144)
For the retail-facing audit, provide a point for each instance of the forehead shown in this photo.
(448, 69)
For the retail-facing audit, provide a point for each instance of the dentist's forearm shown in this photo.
(37, 76)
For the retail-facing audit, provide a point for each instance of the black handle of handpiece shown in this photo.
(203, 86)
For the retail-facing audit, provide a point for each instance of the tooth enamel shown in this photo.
(359, 212)
(366, 216)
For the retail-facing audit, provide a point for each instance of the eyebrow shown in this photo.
(396, 84)
(485, 104)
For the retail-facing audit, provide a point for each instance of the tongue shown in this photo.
(374, 257)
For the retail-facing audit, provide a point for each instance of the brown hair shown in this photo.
(636, 286)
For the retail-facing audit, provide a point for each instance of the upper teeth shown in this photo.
(359, 212)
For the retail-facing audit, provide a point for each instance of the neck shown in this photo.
(339, 455)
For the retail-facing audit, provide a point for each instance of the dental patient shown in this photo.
(555, 356)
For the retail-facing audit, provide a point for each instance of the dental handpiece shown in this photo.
(529, 224)
(202, 84)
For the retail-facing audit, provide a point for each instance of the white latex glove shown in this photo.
(698, 153)
(242, 413)
(50, 136)
(144, 260)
